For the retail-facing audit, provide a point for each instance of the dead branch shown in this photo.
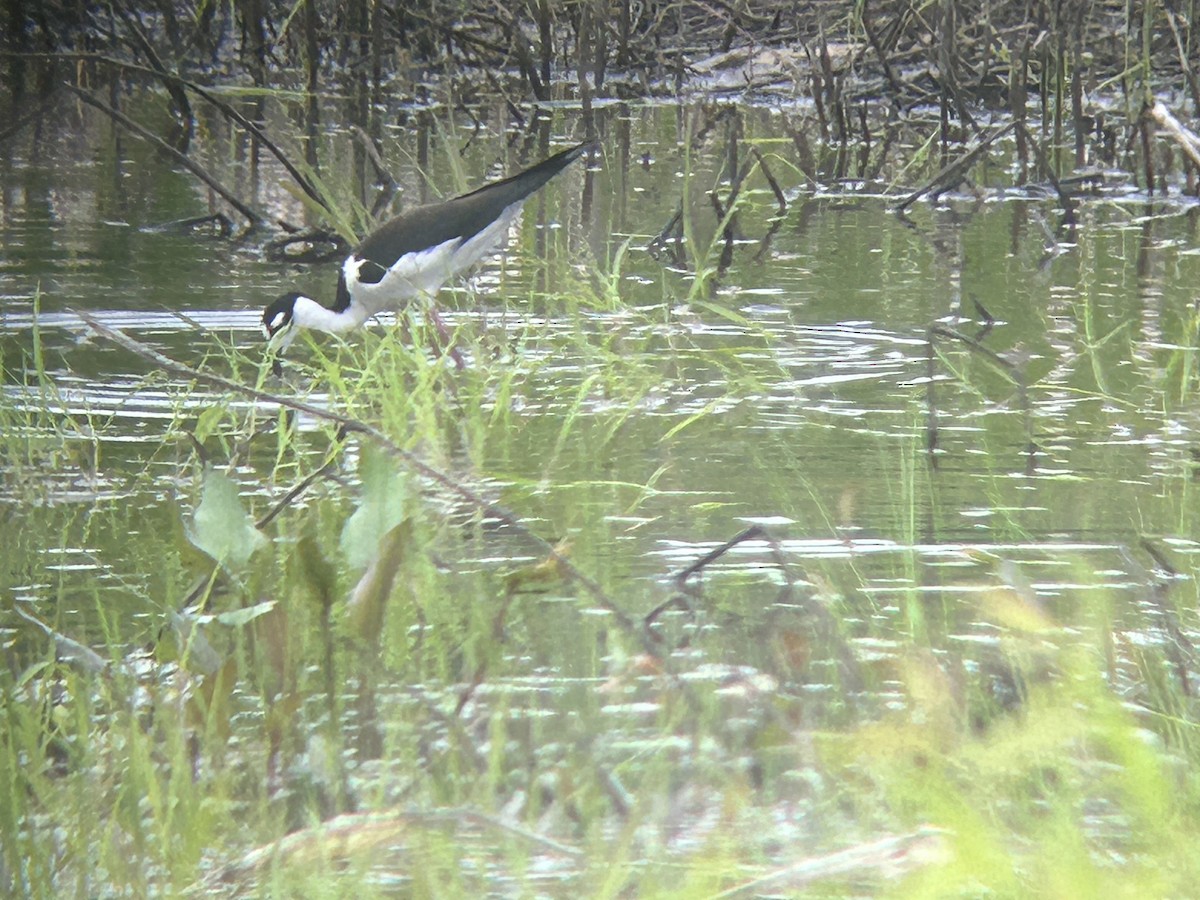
(953, 172)
(1187, 140)
(775, 189)
(194, 167)
(1013, 370)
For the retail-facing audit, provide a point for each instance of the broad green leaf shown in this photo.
(221, 526)
(368, 602)
(194, 560)
(384, 490)
(236, 618)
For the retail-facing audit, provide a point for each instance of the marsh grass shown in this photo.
(390, 649)
(1048, 785)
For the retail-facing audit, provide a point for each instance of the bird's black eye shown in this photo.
(273, 323)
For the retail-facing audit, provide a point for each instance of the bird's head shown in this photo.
(278, 318)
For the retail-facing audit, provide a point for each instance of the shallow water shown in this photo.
(806, 409)
(793, 396)
(811, 395)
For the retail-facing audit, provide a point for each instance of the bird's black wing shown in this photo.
(461, 218)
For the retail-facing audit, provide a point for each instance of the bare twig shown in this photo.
(888, 72)
(372, 152)
(954, 171)
(1179, 649)
(224, 108)
(1064, 198)
(1188, 73)
(775, 188)
(194, 167)
(179, 100)
(292, 494)
(1010, 367)
(806, 162)
(684, 592)
(1014, 371)
(989, 321)
(752, 533)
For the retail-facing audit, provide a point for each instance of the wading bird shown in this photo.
(414, 254)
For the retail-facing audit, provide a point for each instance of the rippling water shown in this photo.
(794, 397)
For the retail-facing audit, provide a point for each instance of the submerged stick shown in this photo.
(231, 113)
(68, 649)
(352, 837)
(724, 222)
(354, 426)
(290, 497)
(663, 237)
(953, 171)
(1014, 371)
(1064, 198)
(775, 188)
(752, 533)
(684, 592)
(194, 167)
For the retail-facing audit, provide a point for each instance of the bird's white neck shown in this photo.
(308, 313)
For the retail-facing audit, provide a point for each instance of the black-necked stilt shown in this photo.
(414, 254)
